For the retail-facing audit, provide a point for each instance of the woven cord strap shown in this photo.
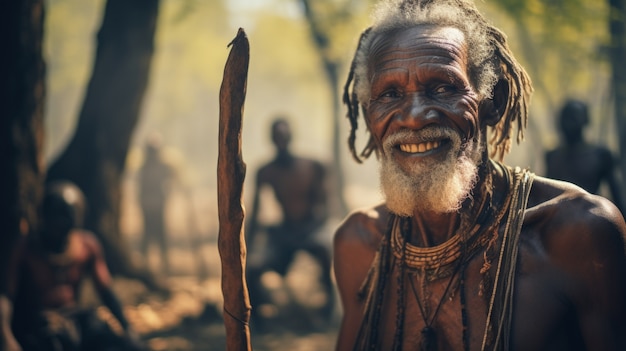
(367, 337)
(501, 303)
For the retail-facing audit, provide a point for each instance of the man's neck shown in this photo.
(432, 229)
(284, 158)
(574, 140)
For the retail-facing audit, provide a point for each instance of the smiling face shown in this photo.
(423, 115)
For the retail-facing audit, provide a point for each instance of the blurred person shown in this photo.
(465, 252)
(577, 161)
(155, 181)
(41, 310)
(298, 185)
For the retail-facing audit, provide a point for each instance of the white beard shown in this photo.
(430, 186)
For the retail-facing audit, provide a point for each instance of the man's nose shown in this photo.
(418, 112)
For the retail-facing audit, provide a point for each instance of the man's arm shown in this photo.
(6, 313)
(253, 224)
(354, 252)
(614, 185)
(8, 289)
(616, 193)
(102, 280)
(320, 193)
(597, 261)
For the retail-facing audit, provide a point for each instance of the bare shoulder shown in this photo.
(88, 239)
(310, 163)
(356, 242)
(571, 220)
(363, 227)
(264, 171)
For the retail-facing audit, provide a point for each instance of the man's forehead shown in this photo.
(453, 34)
(426, 42)
(423, 32)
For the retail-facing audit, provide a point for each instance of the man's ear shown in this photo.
(493, 109)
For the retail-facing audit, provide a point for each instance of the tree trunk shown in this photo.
(331, 68)
(22, 71)
(617, 26)
(95, 157)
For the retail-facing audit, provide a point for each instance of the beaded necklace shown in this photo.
(439, 261)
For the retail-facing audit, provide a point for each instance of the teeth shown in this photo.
(419, 148)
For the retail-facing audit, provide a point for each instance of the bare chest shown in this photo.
(297, 178)
(450, 313)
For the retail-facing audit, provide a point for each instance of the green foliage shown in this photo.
(339, 21)
(567, 37)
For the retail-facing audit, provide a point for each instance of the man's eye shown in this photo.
(443, 89)
(389, 94)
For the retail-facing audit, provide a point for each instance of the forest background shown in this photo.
(561, 43)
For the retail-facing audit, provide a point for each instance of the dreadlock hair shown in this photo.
(490, 60)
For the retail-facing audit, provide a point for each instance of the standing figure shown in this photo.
(466, 253)
(578, 161)
(41, 309)
(299, 187)
(155, 178)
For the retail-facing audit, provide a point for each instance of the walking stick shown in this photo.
(231, 171)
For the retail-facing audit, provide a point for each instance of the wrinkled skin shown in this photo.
(570, 285)
(435, 88)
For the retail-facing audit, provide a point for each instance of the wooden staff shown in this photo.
(231, 171)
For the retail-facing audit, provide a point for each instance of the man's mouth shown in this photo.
(419, 147)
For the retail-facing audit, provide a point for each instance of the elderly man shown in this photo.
(466, 253)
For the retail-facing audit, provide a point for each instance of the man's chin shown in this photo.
(441, 188)
(409, 208)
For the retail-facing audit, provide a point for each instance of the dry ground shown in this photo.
(189, 319)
